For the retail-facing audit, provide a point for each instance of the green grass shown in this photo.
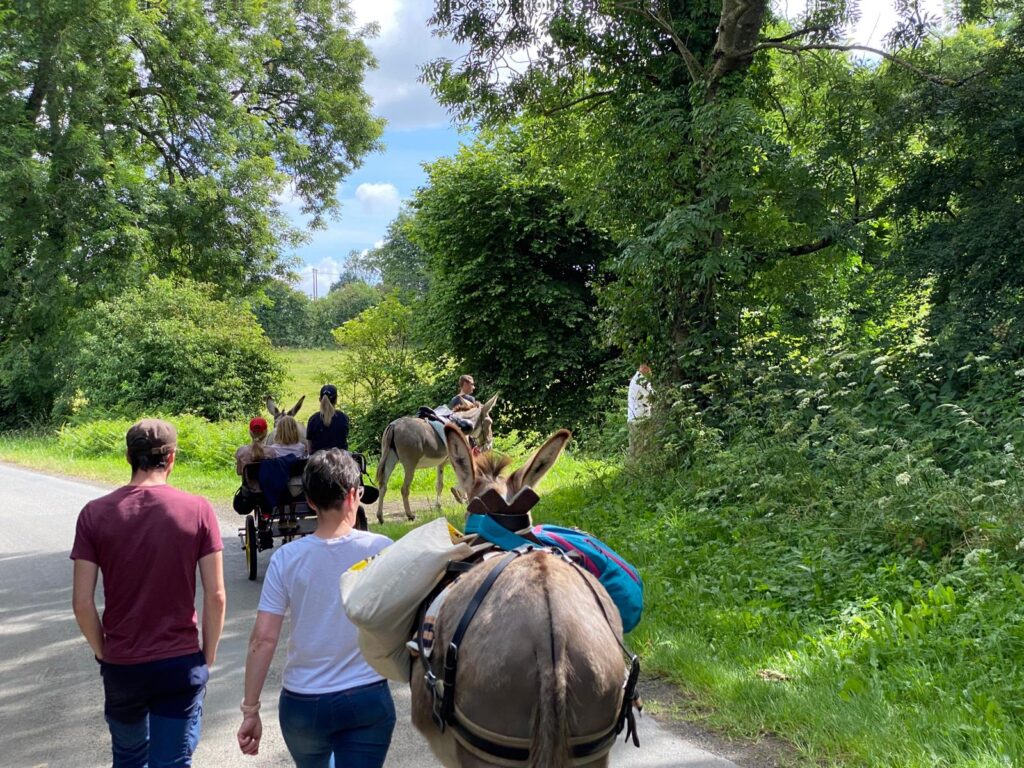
(308, 370)
(833, 581)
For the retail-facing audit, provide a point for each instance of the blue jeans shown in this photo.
(349, 728)
(154, 710)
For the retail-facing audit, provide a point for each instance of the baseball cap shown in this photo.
(331, 391)
(151, 437)
(258, 425)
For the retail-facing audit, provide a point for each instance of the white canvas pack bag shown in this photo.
(381, 594)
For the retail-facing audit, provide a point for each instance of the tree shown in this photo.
(381, 355)
(285, 314)
(170, 347)
(513, 278)
(398, 262)
(338, 307)
(157, 138)
(658, 114)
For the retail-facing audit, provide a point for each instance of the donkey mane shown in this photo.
(491, 464)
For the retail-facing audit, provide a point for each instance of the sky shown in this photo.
(419, 130)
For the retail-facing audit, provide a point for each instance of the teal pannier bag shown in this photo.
(620, 579)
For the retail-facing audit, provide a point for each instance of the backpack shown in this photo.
(618, 577)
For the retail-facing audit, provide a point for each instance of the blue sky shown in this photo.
(420, 131)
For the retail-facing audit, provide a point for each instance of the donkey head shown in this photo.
(277, 413)
(482, 429)
(477, 475)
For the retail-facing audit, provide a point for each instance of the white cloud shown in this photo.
(877, 18)
(404, 45)
(378, 198)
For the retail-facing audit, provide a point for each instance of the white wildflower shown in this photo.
(1008, 448)
(903, 478)
(881, 359)
(979, 497)
(975, 557)
(1019, 373)
(824, 408)
(1020, 545)
(981, 358)
(903, 407)
(804, 403)
(880, 370)
(963, 368)
(890, 390)
(995, 483)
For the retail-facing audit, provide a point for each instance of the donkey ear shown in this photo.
(295, 408)
(461, 457)
(541, 461)
(272, 407)
(486, 408)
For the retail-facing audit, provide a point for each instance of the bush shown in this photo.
(201, 444)
(169, 346)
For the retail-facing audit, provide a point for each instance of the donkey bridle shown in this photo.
(446, 714)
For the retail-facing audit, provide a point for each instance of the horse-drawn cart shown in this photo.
(287, 516)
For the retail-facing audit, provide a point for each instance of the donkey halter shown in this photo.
(507, 750)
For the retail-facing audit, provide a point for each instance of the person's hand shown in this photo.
(250, 733)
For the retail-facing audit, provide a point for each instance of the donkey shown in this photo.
(277, 413)
(415, 444)
(540, 671)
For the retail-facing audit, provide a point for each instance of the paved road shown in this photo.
(51, 706)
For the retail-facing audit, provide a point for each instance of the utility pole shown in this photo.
(314, 283)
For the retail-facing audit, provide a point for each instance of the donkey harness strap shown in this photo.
(509, 751)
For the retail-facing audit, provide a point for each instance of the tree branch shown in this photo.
(796, 34)
(580, 100)
(892, 58)
(693, 67)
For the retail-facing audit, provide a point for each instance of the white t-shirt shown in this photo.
(302, 580)
(638, 405)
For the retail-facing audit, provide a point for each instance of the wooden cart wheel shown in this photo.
(252, 545)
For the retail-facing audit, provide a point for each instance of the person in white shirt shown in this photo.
(334, 710)
(638, 405)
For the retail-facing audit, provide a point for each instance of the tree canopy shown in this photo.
(158, 138)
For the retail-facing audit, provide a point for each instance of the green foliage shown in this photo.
(398, 262)
(171, 347)
(835, 556)
(339, 306)
(157, 138)
(284, 314)
(513, 279)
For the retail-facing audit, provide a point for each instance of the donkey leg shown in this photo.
(407, 489)
(439, 485)
(388, 462)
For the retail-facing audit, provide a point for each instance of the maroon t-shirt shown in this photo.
(147, 541)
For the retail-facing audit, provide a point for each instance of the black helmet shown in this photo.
(331, 391)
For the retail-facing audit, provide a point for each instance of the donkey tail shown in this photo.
(550, 748)
(387, 444)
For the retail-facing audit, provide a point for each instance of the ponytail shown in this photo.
(327, 410)
(258, 448)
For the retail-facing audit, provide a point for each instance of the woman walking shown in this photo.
(334, 710)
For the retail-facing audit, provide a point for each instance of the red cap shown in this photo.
(258, 426)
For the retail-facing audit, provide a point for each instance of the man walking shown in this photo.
(147, 538)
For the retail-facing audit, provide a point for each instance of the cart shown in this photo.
(290, 518)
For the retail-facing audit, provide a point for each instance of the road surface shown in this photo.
(51, 702)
